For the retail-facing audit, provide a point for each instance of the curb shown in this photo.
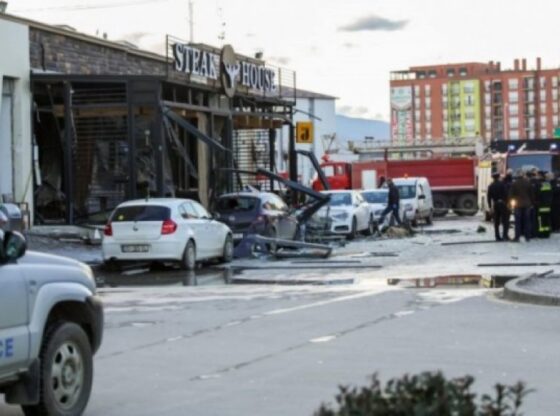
(514, 291)
(294, 282)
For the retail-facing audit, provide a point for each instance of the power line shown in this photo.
(91, 6)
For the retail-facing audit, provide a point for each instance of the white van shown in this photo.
(416, 201)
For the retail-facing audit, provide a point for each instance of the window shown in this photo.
(432, 73)
(513, 109)
(554, 95)
(542, 107)
(543, 121)
(555, 108)
(417, 114)
(469, 100)
(428, 102)
(427, 89)
(141, 213)
(444, 88)
(428, 114)
(528, 83)
(555, 121)
(340, 199)
(468, 87)
(513, 83)
(542, 95)
(420, 74)
(376, 197)
(463, 71)
(450, 72)
(487, 98)
(544, 133)
(542, 82)
(200, 210)
(417, 126)
(188, 211)
(246, 203)
(417, 102)
(416, 90)
(514, 134)
(513, 122)
(513, 96)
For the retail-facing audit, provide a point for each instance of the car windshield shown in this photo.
(376, 197)
(407, 191)
(237, 203)
(526, 162)
(141, 213)
(340, 199)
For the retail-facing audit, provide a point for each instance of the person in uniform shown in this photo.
(545, 205)
(508, 181)
(497, 197)
(521, 202)
(532, 175)
(555, 206)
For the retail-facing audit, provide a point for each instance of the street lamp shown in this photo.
(3, 6)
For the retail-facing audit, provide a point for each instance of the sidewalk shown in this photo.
(540, 289)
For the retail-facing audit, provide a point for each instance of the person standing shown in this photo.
(532, 175)
(508, 181)
(497, 197)
(555, 211)
(393, 203)
(522, 202)
(545, 204)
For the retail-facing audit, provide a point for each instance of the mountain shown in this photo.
(356, 129)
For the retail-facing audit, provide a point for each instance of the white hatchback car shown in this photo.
(158, 229)
(349, 213)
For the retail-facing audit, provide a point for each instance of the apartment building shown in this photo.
(470, 100)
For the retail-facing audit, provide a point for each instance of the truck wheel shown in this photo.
(467, 204)
(441, 205)
(227, 256)
(189, 257)
(66, 372)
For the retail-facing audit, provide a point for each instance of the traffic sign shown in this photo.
(304, 132)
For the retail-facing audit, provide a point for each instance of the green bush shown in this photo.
(426, 394)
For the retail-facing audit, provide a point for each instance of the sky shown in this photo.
(342, 48)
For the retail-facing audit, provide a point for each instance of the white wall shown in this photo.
(14, 64)
(324, 109)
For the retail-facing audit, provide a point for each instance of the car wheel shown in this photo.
(414, 222)
(371, 227)
(189, 257)
(354, 230)
(227, 256)
(272, 232)
(66, 372)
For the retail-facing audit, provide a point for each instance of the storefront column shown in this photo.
(203, 153)
(68, 157)
(271, 153)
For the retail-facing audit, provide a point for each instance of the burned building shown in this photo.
(111, 122)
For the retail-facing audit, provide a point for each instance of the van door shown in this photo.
(421, 200)
(14, 319)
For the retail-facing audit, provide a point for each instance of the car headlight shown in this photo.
(341, 216)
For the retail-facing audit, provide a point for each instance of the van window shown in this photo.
(237, 203)
(407, 191)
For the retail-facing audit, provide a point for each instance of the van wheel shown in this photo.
(189, 257)
(66, 372)
(430, 218)
(354, 230)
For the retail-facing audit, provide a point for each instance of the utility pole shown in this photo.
(191, 22)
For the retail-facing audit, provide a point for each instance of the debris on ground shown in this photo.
(481, 229)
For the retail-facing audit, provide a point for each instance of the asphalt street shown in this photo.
(202, 346)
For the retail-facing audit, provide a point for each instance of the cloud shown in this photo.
(349, 45)
(250, 35)
(374, 23)
(281, 60)
(353, 111)
(134, 37)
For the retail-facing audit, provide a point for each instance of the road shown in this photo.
(224, 349)
(278, 351)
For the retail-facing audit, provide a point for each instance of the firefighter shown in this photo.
(508, 181)
(497, 200)
(532, 175)
(555, 209)
(545, 204)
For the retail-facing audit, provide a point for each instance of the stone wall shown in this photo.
(52, 51)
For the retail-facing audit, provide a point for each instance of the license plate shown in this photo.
(238, 236)
(135, 248)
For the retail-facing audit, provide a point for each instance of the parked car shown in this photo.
(415, 199)
(349, 212)
(256, 212)
(51, 325)
(377, 200)
(160, 229)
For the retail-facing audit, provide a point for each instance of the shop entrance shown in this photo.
(6, 143)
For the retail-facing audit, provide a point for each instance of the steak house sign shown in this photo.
(226, 67)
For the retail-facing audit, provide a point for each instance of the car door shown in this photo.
(421, 198)
(200, 227)
(14, 319)
(216, 232)
(362, 211)
(287, 224)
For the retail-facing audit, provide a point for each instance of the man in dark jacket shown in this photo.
(555, 212)
(533, 177)
(393, 203)
(508, 181)
(497, 197)
(521, 196)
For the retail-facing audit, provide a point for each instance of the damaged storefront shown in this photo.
(113, 123)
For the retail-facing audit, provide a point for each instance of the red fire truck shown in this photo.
(453, 180)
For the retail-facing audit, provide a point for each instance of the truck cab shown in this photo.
(338, 176)
(51, 325)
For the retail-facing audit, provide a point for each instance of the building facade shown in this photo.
(16, 155)
(474, 100)
(109, 122)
